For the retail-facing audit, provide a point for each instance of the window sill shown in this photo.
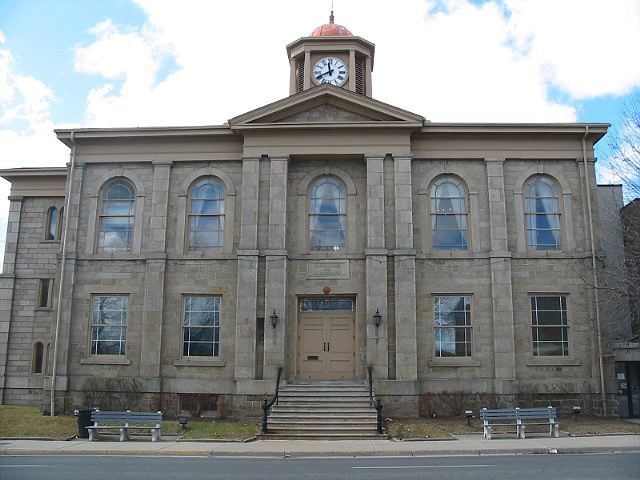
(207, 362)
(43, 309)
(106, 360)
(50, 241)
(449, 253)
(546, 253)
(553, 362)
(454, 362)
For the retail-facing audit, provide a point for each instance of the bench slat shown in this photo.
(99, 416)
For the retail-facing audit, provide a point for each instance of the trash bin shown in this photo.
(84, 420)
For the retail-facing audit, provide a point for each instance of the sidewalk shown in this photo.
(465, 445)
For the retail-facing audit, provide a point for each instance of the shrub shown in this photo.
(112, 393)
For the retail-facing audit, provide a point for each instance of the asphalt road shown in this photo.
(617, 466)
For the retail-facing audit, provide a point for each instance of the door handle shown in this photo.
(328, 349)
(324, 347)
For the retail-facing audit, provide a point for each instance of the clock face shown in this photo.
(330, 70)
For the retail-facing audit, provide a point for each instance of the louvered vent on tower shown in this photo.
(360, 75)
(300, 74)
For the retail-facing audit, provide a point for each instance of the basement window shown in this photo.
(198, 404)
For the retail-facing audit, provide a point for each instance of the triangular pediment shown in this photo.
(326, 105)
(327, 113)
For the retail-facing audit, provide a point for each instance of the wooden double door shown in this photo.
(326, 345)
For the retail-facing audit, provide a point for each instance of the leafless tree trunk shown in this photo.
(625, 147)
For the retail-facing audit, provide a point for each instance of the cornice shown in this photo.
(64, 135)
(596, 130)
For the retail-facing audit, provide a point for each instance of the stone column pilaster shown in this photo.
(152, 316)
(276, 268)
(376, 269)
(7, 283)
(501, 282)
(247, 284)
(405, 271)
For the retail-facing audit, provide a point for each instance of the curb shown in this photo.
(289, 454)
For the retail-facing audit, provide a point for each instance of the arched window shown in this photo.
(327, 215)
(448, 215)
(117, 208)
(38, 358)
(206, 216)
(542, 214)
(53, 219)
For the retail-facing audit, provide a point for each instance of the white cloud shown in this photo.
(26, 130)
(449, 60)
(590, 47)
(457, 65)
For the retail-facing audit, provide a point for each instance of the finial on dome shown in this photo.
(330, 29)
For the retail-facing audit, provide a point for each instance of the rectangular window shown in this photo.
(326, 304)
(198, 403)
(109, 325)
(453, 326)
(201, 326)
(549, 326)
(44, 292)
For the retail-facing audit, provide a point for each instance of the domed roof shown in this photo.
(331, 29)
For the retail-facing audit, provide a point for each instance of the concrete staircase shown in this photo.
(323, 410)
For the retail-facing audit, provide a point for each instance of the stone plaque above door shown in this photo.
(325, 269)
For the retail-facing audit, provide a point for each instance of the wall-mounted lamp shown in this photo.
(274, 319)
(377, 318)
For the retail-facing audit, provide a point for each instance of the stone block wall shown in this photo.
(264, 267)
(35, 259)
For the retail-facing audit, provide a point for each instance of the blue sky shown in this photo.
(88, 63)
(42, 34)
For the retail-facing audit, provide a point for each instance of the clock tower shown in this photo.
(331, 55)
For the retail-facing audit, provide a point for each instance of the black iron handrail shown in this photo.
(375, 402)
(266, 404)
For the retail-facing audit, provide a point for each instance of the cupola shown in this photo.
(331, 55)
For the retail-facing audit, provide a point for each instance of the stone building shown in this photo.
(627, 350)
(200, 259)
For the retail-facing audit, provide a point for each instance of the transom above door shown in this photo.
(326, 338)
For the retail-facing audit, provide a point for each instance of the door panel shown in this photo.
(326, 345)
(311, 357)
(340, 345)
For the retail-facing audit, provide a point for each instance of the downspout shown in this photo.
(67, 211)
(594, 271)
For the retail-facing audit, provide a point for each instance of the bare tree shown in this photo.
(624, 145)
(631, 227)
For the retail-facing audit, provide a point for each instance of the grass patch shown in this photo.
(596, 425)
(429, 428)
(17, 421)
(446, 427)
(219, 429)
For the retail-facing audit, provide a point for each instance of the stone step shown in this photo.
(332, 404)
(309, 391)
(324, 399)
(322, 383)
(323, 428)
(321, 436)
(330, 425)
(361, 395)
(328, 417)
(322, 409)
